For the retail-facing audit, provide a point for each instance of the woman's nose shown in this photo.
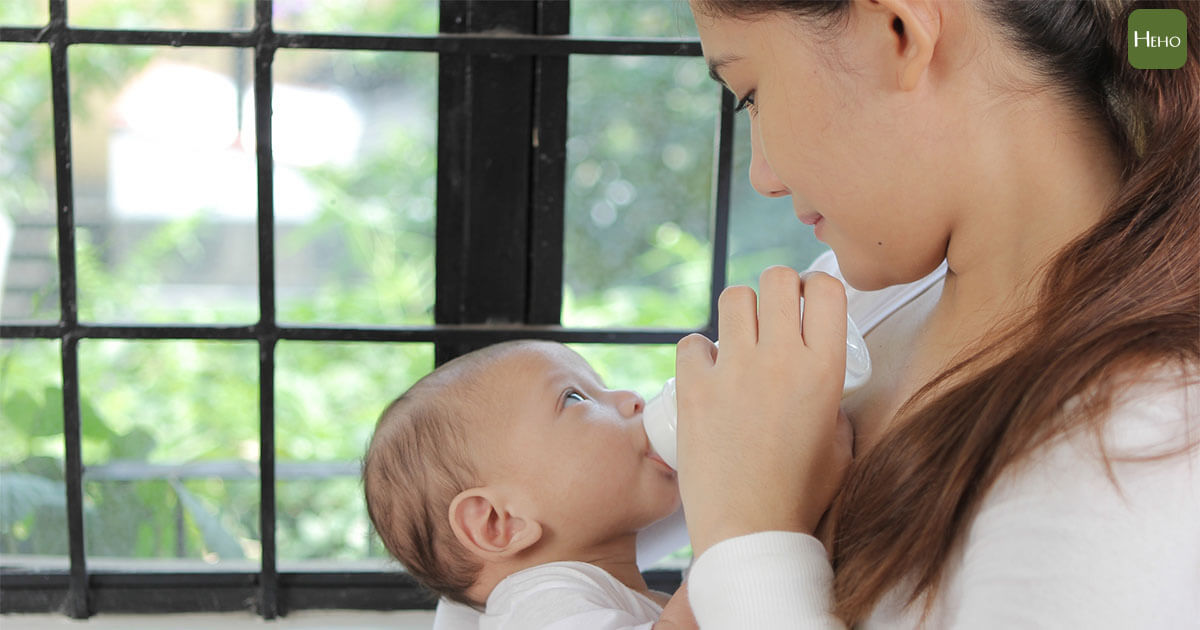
(629, 403)
(762, 176)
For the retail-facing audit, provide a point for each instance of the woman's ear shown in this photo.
(915, 27)
(489, 527)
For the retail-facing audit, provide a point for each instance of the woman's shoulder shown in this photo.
(1096, 527)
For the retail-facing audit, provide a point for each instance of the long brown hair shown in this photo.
(1123, 297)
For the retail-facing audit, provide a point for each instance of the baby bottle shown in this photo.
(659, 415)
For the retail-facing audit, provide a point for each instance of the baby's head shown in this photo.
(507, 457)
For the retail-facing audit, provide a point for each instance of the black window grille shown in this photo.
(499, 275)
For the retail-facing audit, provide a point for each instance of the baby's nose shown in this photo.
(630, 403)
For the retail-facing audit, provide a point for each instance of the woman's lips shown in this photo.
(810, 219)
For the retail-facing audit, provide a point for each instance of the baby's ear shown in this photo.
(486, 524)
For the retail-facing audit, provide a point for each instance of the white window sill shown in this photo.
(307, 619)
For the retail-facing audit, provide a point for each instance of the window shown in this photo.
(231, 231)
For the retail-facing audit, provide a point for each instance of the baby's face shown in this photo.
(577, 448)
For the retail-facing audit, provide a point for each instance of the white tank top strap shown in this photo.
(869, 308)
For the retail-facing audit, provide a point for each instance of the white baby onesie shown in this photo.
(567, 596)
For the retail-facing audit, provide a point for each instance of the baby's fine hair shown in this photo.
(418, 461)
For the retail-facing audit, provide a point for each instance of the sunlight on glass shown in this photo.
(632, 18)
(29, 289)
(356, 166)
(418, 17)
(162, 14)
(639, 182)
(24, 12)
(170, 445)
(165, 184)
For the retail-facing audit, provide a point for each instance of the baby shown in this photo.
(512, 480)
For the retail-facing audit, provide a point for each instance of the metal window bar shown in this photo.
(80, 593)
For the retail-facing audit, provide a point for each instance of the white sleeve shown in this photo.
(1059, 545)
(766, 581)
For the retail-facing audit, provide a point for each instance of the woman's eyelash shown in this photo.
(747, 101)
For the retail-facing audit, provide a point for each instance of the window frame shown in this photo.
(478, 301)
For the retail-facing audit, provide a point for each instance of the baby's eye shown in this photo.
(573, 397)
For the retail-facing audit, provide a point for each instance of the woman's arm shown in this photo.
(766, 581)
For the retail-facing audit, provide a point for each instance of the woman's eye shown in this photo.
(746, 102)
(573, 397)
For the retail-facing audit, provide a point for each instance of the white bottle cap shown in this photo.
(659, 417)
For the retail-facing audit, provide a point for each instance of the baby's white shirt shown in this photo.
(567, 596)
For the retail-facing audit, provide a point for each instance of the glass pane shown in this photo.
(29, 288)
(209, 15)
(24, 13)
(165, 190)
(418, 17)
(355, 143)
(33, 510)
(639, 181)
(632, 18)
(170, 445)
(762, 231)
(328, 398)
(640, 368)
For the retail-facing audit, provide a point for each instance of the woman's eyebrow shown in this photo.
(715, 64)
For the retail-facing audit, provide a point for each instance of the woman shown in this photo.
(1016, 210)
(1025, 454)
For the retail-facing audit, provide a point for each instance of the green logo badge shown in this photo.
(1157, 39)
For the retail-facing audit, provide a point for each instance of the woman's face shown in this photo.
(831, 127)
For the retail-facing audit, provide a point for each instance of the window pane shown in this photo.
(632, 18)
(355, 139)
(162, 14)
(33, 510)
(418, 17)
(639, 181)
(762, 231)
(29, 288)
(328, 398)
(24, 13)
(637, 367)
(165, 187)
(170, 446)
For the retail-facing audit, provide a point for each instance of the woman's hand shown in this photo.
(762, 445)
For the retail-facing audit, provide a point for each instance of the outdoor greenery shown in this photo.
(638, 254)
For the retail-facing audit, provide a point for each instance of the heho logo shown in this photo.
(1157, 39)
